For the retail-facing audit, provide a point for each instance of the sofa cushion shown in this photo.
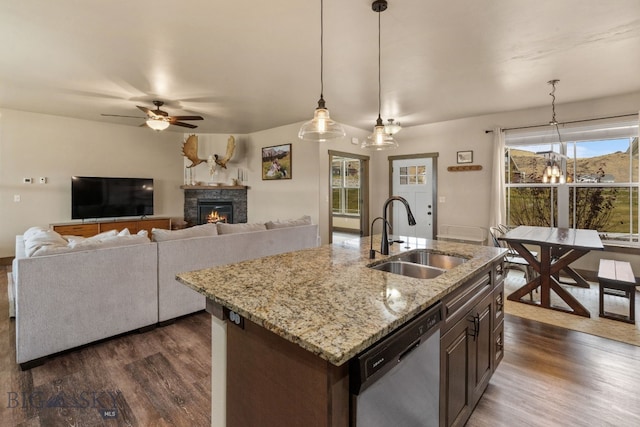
(304, 220)
(240, 228)
(161, 235)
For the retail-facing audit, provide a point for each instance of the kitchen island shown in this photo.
(303, 315)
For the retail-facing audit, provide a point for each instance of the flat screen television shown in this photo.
(99, 197)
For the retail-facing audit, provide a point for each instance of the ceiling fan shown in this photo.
(160, 120)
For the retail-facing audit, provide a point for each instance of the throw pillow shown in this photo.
(116, 241)
(32, 231)
(42, 238)
(239, 228)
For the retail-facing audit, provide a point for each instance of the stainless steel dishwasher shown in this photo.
(396, 382)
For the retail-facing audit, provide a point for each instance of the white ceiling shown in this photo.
(249, 65)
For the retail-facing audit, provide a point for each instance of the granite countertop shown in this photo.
(326, 300)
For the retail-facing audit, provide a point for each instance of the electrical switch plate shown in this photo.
(27, 180)
(16, 197)
(43, 180)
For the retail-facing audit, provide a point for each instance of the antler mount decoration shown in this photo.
(190, 151)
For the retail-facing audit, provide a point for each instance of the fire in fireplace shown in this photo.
(214, 217)
(214, 211)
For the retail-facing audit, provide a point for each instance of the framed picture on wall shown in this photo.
(276, 162)
(465, 156)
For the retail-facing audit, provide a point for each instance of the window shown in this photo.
(598, 188)
(345, 184)
(413, 175)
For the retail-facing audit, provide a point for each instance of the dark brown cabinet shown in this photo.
(468, 347)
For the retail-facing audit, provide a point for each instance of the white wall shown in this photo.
(34, 145)
(37, 145)
(306, 193)
(467, 193)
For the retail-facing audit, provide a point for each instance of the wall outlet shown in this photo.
(16, 197)
(27, 180)
(442, 199)
(43, 180)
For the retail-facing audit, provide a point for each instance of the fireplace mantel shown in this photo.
(214, 187)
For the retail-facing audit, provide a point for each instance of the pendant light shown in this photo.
(379, 139)
(321, 127)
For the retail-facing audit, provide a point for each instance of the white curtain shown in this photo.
(497, 206)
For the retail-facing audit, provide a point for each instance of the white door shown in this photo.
(414, 180)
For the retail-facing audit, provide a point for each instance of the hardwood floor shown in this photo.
(157, 378)
(549, 376)
(552, 376)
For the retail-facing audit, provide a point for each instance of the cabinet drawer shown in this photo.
(84, 230)
(457, 304)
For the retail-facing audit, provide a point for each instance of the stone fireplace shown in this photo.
(232, 200)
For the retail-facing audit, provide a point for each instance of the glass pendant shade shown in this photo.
(321, 127)
(379, 139)
(157, 124)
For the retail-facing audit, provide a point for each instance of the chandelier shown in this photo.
(553, 171)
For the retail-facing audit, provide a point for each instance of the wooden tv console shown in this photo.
(88, 229)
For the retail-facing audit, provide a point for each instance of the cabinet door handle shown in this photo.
(476, 321)
(476, 326)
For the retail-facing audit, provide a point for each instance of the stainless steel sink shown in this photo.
(420, 264)
(409, 269)
(432, 259)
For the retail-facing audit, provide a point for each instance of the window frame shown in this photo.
(564, 198)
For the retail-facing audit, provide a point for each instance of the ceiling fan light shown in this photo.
(392, 127)
(157, 124)
(379, 139)
(321, 127)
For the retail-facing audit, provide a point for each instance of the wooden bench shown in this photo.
(616, 278)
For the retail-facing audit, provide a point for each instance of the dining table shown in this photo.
(558, 248)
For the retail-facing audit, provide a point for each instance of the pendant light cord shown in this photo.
(379, 72)
(554, 122)
(321, 49)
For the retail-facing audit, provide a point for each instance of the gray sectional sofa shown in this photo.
(71, 298)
